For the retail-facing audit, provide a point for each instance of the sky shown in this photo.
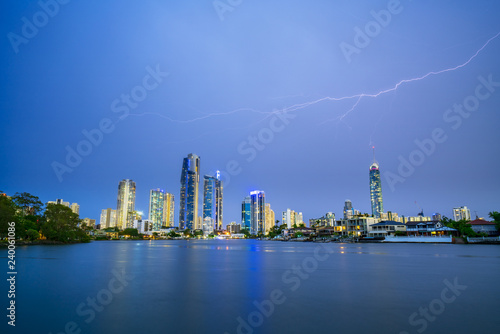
(288, 97)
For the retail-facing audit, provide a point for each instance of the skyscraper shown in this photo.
(125, 206)
(159, 208)
(190, 180)
(348, 209)
(376, 189)
(270, 218)
(212, 199)
(168, 210)
(246, 213)
(257, 212)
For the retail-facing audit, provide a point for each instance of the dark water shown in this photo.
(206, 286)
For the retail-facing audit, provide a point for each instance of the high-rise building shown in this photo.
(125, 206)
(376, 189)
(157, 207)
(270, 218)
(108, 218)
(75, 208)
(292, 218)
(246, 213)
(212, 199)
(168, 210)
(348, 210)
(436, 217)
(461, 213)
(190, 179)
(257, 212)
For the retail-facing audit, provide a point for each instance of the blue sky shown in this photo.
(229, 78)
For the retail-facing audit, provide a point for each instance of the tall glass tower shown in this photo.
(190, 180)
(246, 214)
(125, 206)
(212, 199)
(257, 212)
(376, 189)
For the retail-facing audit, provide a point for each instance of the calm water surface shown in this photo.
(245, 286)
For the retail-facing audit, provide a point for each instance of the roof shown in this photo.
(481, 222)
(388, 222)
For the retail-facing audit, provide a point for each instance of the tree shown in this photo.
(496, 219)
(187, 233)
(302, 225)
(130, 231)
(33, 235)
(29, 204)
(463, 226)
(7, 214)
(172, 234)
(61, 224)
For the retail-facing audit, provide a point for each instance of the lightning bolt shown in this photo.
(359, 97)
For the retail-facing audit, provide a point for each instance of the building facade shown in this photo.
(246, 213)
(257, 212)
(212, 199)
(125, 205)
(270, 218)
(108, 218)
(376, 190)
(190, 180)
(461, 213)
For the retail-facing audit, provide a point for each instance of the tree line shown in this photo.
(34, 220)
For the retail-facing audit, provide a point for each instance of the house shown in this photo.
(483, 226)
(385, 228)
(429, 228)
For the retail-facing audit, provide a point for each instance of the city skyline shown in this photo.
(272, 108)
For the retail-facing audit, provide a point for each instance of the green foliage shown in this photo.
(198, 232)
(130, 231)
(61, 224)
(7, 214)
(276, 230)
(299, 234)
(400, 233)
(28, 204)
(462, 226)
(32, 235)
(173, 234)
(496, 219)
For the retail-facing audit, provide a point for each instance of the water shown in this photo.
(206, 286)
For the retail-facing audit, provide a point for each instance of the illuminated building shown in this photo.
(161, 208)
(212, 199)
(246, 213)
(376, 189)
(190, 179)
(108, 218)
(257, 212)
(125, 204)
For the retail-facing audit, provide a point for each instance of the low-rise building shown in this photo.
(385, 228)
(483, 226)
(429, 228)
